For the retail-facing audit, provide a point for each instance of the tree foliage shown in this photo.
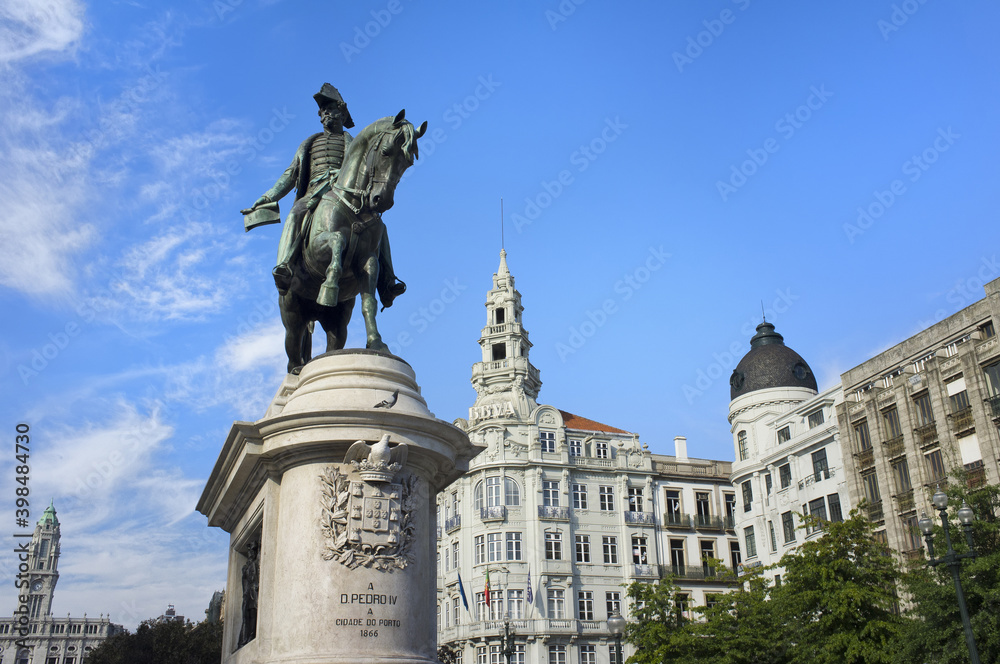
(936, 634)
(656, 619)
(162, 643)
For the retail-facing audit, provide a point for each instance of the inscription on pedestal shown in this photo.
(371, 623)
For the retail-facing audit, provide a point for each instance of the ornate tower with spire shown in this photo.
(506, 382)
(44, 564)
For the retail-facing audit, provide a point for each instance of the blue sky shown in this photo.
(675, 164)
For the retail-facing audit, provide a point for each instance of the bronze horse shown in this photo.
(340, 257)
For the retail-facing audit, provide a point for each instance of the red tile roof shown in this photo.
(583, 424)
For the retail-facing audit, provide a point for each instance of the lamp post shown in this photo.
(616, 625)
(951, 559)
(507, 640)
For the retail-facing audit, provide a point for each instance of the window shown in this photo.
(833, 502)
(711, 599)
(583, 548)
(869, 483)
(447, 615)
(774, 540)
(482, 611)
(986, 330)
(548, 441)
(610, 545)
(747, 496)
(613, 601)
(480, 549)
(579, 496)
(639, 550)
(601, 449)
(702, 505)
(785, 475)
(861, 436)
(784, 434)
(677, 556)
(821, 471)
(454, 555)
(959, 401)
(588, 654)
(447, 560)
(606, 498)
(741, 444)
(634, 499)
(550, 493)
(911, 533)
(517, 657)
(499, 352)
(768, 484)
(614, 654)
(477, 497)
(585, 605)
(992, 374)
(557, 604)
(553, 545)
(901, 475)
(513, 546)
(922, 405)
(575, 448)
(681, 602)
(818, 509)
(481, 657)
(730, 499)
(707, 554)
(515, 604)
(788, 526)
(512, 493)
(881, 536)
(493, 491)
(499, 316)
(456, 616)
(935, 466)
(734, 552)
(494, 547)
(815, 419)
(496, 657)
(673, 506)
(890, 419)
(496, 605)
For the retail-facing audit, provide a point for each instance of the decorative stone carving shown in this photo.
(251, 588)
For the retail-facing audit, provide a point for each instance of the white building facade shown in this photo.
(787, 446)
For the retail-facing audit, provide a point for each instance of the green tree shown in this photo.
(654, 621)
(838, 597)
(936, 634)
(162, 643)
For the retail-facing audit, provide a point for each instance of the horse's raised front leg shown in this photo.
(369, 305)
(329, 292)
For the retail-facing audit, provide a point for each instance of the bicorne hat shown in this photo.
(328, 94)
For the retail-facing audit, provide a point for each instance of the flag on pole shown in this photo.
(461, 591)
(530, 596)
(487, 591)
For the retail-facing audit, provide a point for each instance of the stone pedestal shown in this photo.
(347, 569)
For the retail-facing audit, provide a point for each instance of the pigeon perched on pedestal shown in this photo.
(390, 402)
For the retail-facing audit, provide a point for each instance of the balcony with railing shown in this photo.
(707, 522)
(643, 518)
(904, 500)
(819, 476)
(962, 421)
(874, 511)
(866, 458)
(975, 474)
(894, 447)
(698, 572)
(913, 556)
(493, 513)
(926, 434)
(677, 520)
(993, 408)
(553, 513)
(646, 571)
(729, 523)
(591, 462)
(454, 523)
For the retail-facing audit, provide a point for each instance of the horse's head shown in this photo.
(391, 152)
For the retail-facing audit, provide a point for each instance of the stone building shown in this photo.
(916, 412)
(558, 513)
(788, 452)
(34, 635)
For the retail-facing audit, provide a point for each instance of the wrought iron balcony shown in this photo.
(866, 458)
(926, 434)
(961, 421)
(874, 511)
(676, 520)
(646, 571)
(894, 447)
(554, 513)
(494, 513)
(904, 500)
(647, 518)
(993, 407)
(707, 522)
(454, 523)
(729, 523)
(697, 572)
(975, 474)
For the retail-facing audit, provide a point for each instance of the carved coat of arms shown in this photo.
(368, 522)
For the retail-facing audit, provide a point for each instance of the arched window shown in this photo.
(741, 439)
(512, 493)
(477, 497)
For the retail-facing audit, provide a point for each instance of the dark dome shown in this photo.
(770, 363)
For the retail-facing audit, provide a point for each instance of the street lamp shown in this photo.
(507, 640)
(616, 625)
(951, 559)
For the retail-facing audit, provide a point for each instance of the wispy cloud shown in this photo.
(33, 27)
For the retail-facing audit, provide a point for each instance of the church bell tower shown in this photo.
(43, 562)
